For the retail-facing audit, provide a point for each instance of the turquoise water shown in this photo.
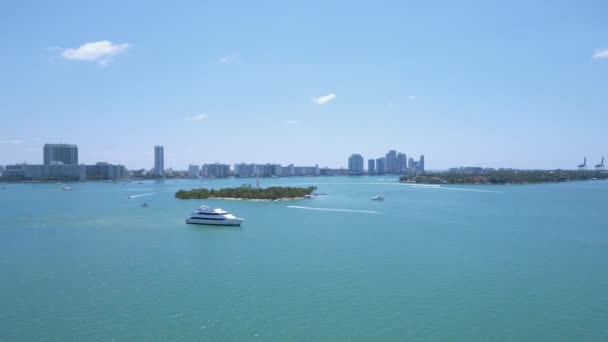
(468, 263)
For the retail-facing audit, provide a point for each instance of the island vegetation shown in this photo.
(504, 177)
(248, 192)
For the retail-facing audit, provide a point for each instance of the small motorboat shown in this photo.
(378, 198)
(65, 188)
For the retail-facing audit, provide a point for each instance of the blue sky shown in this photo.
(505, 84)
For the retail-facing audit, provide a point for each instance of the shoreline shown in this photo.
(284, 199)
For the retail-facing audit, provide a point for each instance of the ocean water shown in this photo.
(461, 263)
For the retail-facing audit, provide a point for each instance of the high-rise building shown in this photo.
(411, 165)
(193, 171)
(60, 154)
(244, 170)
(371, 166)
(355, 164)
(159, 161)
(216, 170)
(421, 163)
(1, 170)
(103, 170)
(401, 163)
(391, 162)
(381, 166)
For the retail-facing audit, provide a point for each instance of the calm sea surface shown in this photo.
(466, 263)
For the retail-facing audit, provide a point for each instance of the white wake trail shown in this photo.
(141, 195)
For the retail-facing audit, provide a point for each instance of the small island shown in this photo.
(504, 177)
(275, 193)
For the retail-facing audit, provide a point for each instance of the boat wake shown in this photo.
(334, 209)
(141, 195)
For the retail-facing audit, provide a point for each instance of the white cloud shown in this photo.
(101, 52)
(600, 53)
(12, 141)
(292, 122)
(324, 98)
(199, 117)
(228, 59)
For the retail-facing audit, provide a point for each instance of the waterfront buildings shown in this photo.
(380, 166)
(103, 170)
(391, 162)
(421, 163)
(159, 161)
(371, 166)
(326, 171)
(193, 171)
(60, 153)
(216, 170)
(46, 172)
(355, 164)
(244, 170)
(401, 163)
(306, 170)
(1, 170)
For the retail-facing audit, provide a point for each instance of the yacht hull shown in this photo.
(227, 222)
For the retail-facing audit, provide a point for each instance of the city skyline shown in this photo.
(512, 94)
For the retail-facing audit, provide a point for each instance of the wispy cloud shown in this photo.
(324, 98)
(12, 141)
(102, 52)
(600, 53)
(199, 117)
(292, 122)
(228, 59)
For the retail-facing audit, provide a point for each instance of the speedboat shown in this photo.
(217, 217)
(65, 187)
(378, 198)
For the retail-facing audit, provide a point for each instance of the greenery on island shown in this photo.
(504, 177)
(247, 192)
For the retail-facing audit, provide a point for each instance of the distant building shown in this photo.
(56, 171)
(159, 161)
(421, 163)
(193, 171)
(289, 170)
(1, 170)
(355, 164)
(306, 170)
(216, 170)
(60, 153)
(391, 162)
(371, 166)
(380, 166)
(104, 170)
(244, 170)
(326, 171)
(267, 170)
(411, 165)
(401, 163)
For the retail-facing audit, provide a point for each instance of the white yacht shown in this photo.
(378, 198)
(218, 217)
(65, 187)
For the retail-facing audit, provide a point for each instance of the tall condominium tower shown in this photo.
(355, 164)
(380, 166)
(371, 166)
(60, 153)
(391, 162)
(159, 161)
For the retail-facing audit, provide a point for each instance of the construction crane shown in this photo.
(583, 166)
(600, 166)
